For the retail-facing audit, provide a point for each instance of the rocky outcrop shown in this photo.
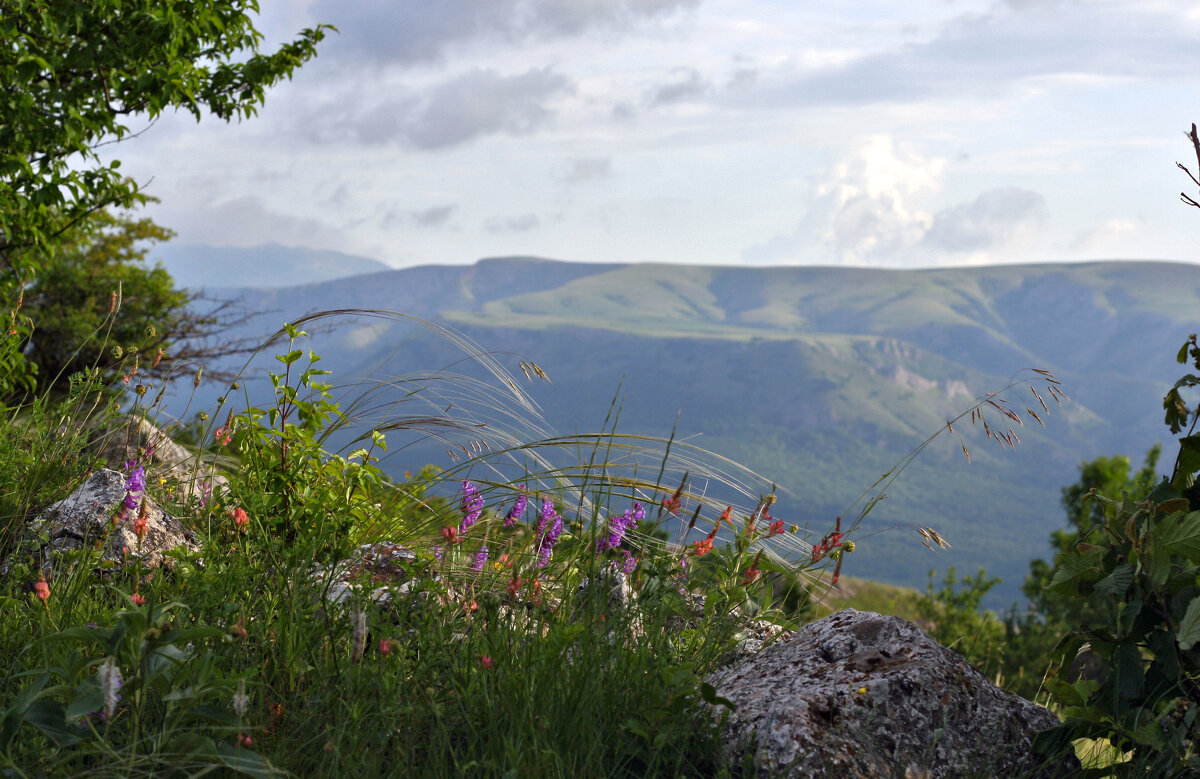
(858, 694)
(94, 515)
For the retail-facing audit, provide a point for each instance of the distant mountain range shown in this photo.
(199, 267)
(819, 378)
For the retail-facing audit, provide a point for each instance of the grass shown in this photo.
(493, 655)
(495, 652)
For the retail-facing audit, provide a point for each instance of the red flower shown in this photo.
(486, 661)
(672, 504)
(702, 547)
(137, 599)
(240, 517)
(750, 576)
(725, 515)
(41, 588)
(776, 528)
(450, 533)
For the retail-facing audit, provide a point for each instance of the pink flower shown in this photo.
(41, 588)
(486, 661)
(240, 517)
(450, 533)
(776, 528)
(137, 599)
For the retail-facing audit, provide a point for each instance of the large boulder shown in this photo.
(92, 516)
(859, 694)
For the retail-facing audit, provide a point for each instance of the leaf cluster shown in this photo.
(77, 73)
(1138, 565)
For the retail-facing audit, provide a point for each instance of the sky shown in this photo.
(733, 132)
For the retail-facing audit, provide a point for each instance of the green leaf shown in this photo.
(1117, 582)
(1188, 632)
(1076, 566)
(290, 357)
(1179, 533)
(709, 694)
(50, 718)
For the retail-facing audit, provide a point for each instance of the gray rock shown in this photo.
(858, 694)
(86, 518)
(382, 564)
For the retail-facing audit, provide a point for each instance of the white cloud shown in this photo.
(871, 210)
(995, 218)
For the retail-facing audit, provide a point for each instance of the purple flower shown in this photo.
(517, 511)
(135, 485)
(437, 552)
(619, 525)
(549, 528)
(481, 558)
(629, 564)
(472, 506)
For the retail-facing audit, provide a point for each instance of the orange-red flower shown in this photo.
(41, 588)
(240, 517)
(702, 547)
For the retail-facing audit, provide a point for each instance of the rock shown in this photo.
(858, 694)
(382, 563)
(119, 440)
(85, 518)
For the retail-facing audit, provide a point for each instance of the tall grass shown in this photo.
(557, 639)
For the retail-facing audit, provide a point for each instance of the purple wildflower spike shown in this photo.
(517, 511)
(481, 558)
(549, 528)
(472, 506)
(135, 485)
(619, 525)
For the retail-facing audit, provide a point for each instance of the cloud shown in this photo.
(476, 103)
(246, 221)
(985, 53)
(1104, 235)
(691, 86)
(993, 219)
(435, 216)
(583, 169)
(868, 210)
(409, 31)
(513, 224)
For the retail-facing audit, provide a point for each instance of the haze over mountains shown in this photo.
(818, 378)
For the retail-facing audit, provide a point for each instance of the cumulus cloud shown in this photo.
(995, 218)
(408, 31)
(476, 103)
(867, 210)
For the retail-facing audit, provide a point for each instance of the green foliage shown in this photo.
(958, 621)
(1137, 562)
(94, 302)
(74, 74)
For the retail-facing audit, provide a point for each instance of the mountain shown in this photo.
(269, 265)
(819, 378)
